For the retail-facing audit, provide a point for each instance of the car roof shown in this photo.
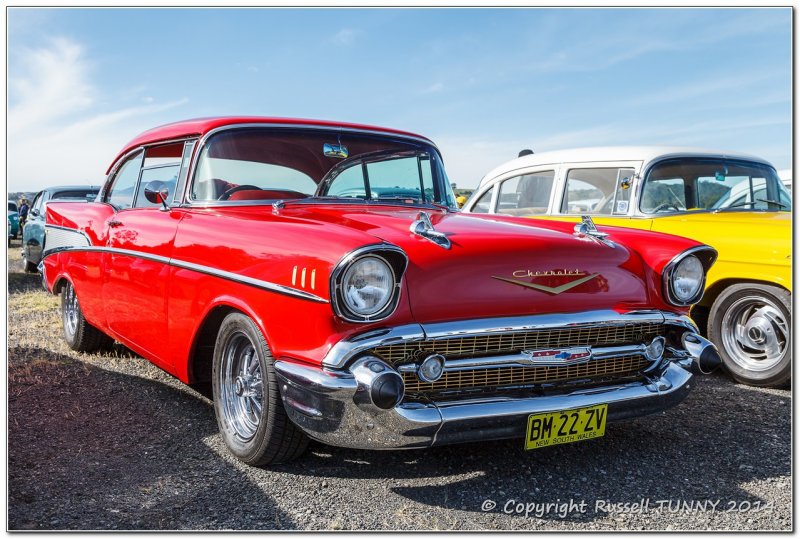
(202, 126)
(611, 153)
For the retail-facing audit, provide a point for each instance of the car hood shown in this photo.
(497, 266)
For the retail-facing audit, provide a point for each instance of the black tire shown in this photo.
(760, 312)
(80, 335)
(30, 267)
(256, 437)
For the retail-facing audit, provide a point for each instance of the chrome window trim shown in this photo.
(339, 269)
(345, 350)
(227, 275)
(666, 274)
(190, 178)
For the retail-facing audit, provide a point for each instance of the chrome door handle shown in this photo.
(114, 223)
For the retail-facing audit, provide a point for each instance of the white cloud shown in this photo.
(433, 88)
(58, 130)
(345, 36)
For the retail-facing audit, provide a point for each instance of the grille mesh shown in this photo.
(524, 375)
(488, 345)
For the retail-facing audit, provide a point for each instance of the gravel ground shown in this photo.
(112, 442)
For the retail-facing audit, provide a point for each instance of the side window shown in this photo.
(484, 203)
(161, 163)
(598, 191)
(123, 186)
(526, 195)
(167, 174)
(349, 183)
(37, 203)
(663, 195)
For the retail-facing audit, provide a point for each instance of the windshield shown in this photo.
(269, 164)
(678, 185)
(12, 206)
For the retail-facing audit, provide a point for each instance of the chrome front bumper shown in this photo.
(322, 404)
(337, 405)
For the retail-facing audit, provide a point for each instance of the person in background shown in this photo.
(23, 211)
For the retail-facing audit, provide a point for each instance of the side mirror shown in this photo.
(157, 192)
(34, 213)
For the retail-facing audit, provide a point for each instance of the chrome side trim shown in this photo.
(227, 275)
(347, 349)
(666, 275)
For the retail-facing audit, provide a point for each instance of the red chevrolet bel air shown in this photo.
(320, 278)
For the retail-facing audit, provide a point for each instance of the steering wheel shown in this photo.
(227, 194)
(666, 206)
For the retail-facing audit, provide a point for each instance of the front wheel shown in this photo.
(751, 325)
(247, 403)
(79, 334)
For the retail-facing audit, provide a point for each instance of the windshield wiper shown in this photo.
(768, 201)
(750, 203)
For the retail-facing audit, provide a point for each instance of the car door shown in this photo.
(139, 246)
(33, 232)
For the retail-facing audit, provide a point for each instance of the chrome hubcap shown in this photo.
(755, 333)
(70, 310)
(242, 386)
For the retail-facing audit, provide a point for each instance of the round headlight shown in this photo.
(367, 286)
(687, 278)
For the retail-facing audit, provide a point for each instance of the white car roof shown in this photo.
(610, 153)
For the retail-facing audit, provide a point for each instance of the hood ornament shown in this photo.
(587, 228)
(423, 227)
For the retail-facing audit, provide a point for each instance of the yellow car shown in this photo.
(734, 202)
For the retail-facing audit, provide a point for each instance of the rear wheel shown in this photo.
(30, 267)
(751, 325)
(79, 334)
(247, 403)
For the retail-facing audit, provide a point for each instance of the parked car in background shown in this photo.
(319, 277)
(735, 203)
(13, 219)
(786, 177)
(33, 235)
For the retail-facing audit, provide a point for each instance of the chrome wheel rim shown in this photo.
(242, 385)
(70, 310)
(755, 333)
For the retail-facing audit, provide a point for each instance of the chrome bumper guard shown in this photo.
(341, 406)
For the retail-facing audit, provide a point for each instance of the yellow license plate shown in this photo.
(564, 427)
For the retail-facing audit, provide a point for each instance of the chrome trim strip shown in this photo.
(227, 275)
(347, 349)
(524, 360)
(465, 328)
(666, 274)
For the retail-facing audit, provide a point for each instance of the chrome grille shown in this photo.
(504, 343)
(485, 378)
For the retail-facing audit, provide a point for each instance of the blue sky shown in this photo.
(482, 83)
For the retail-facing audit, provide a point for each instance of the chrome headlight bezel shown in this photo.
(706, 256)
(397, 261)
